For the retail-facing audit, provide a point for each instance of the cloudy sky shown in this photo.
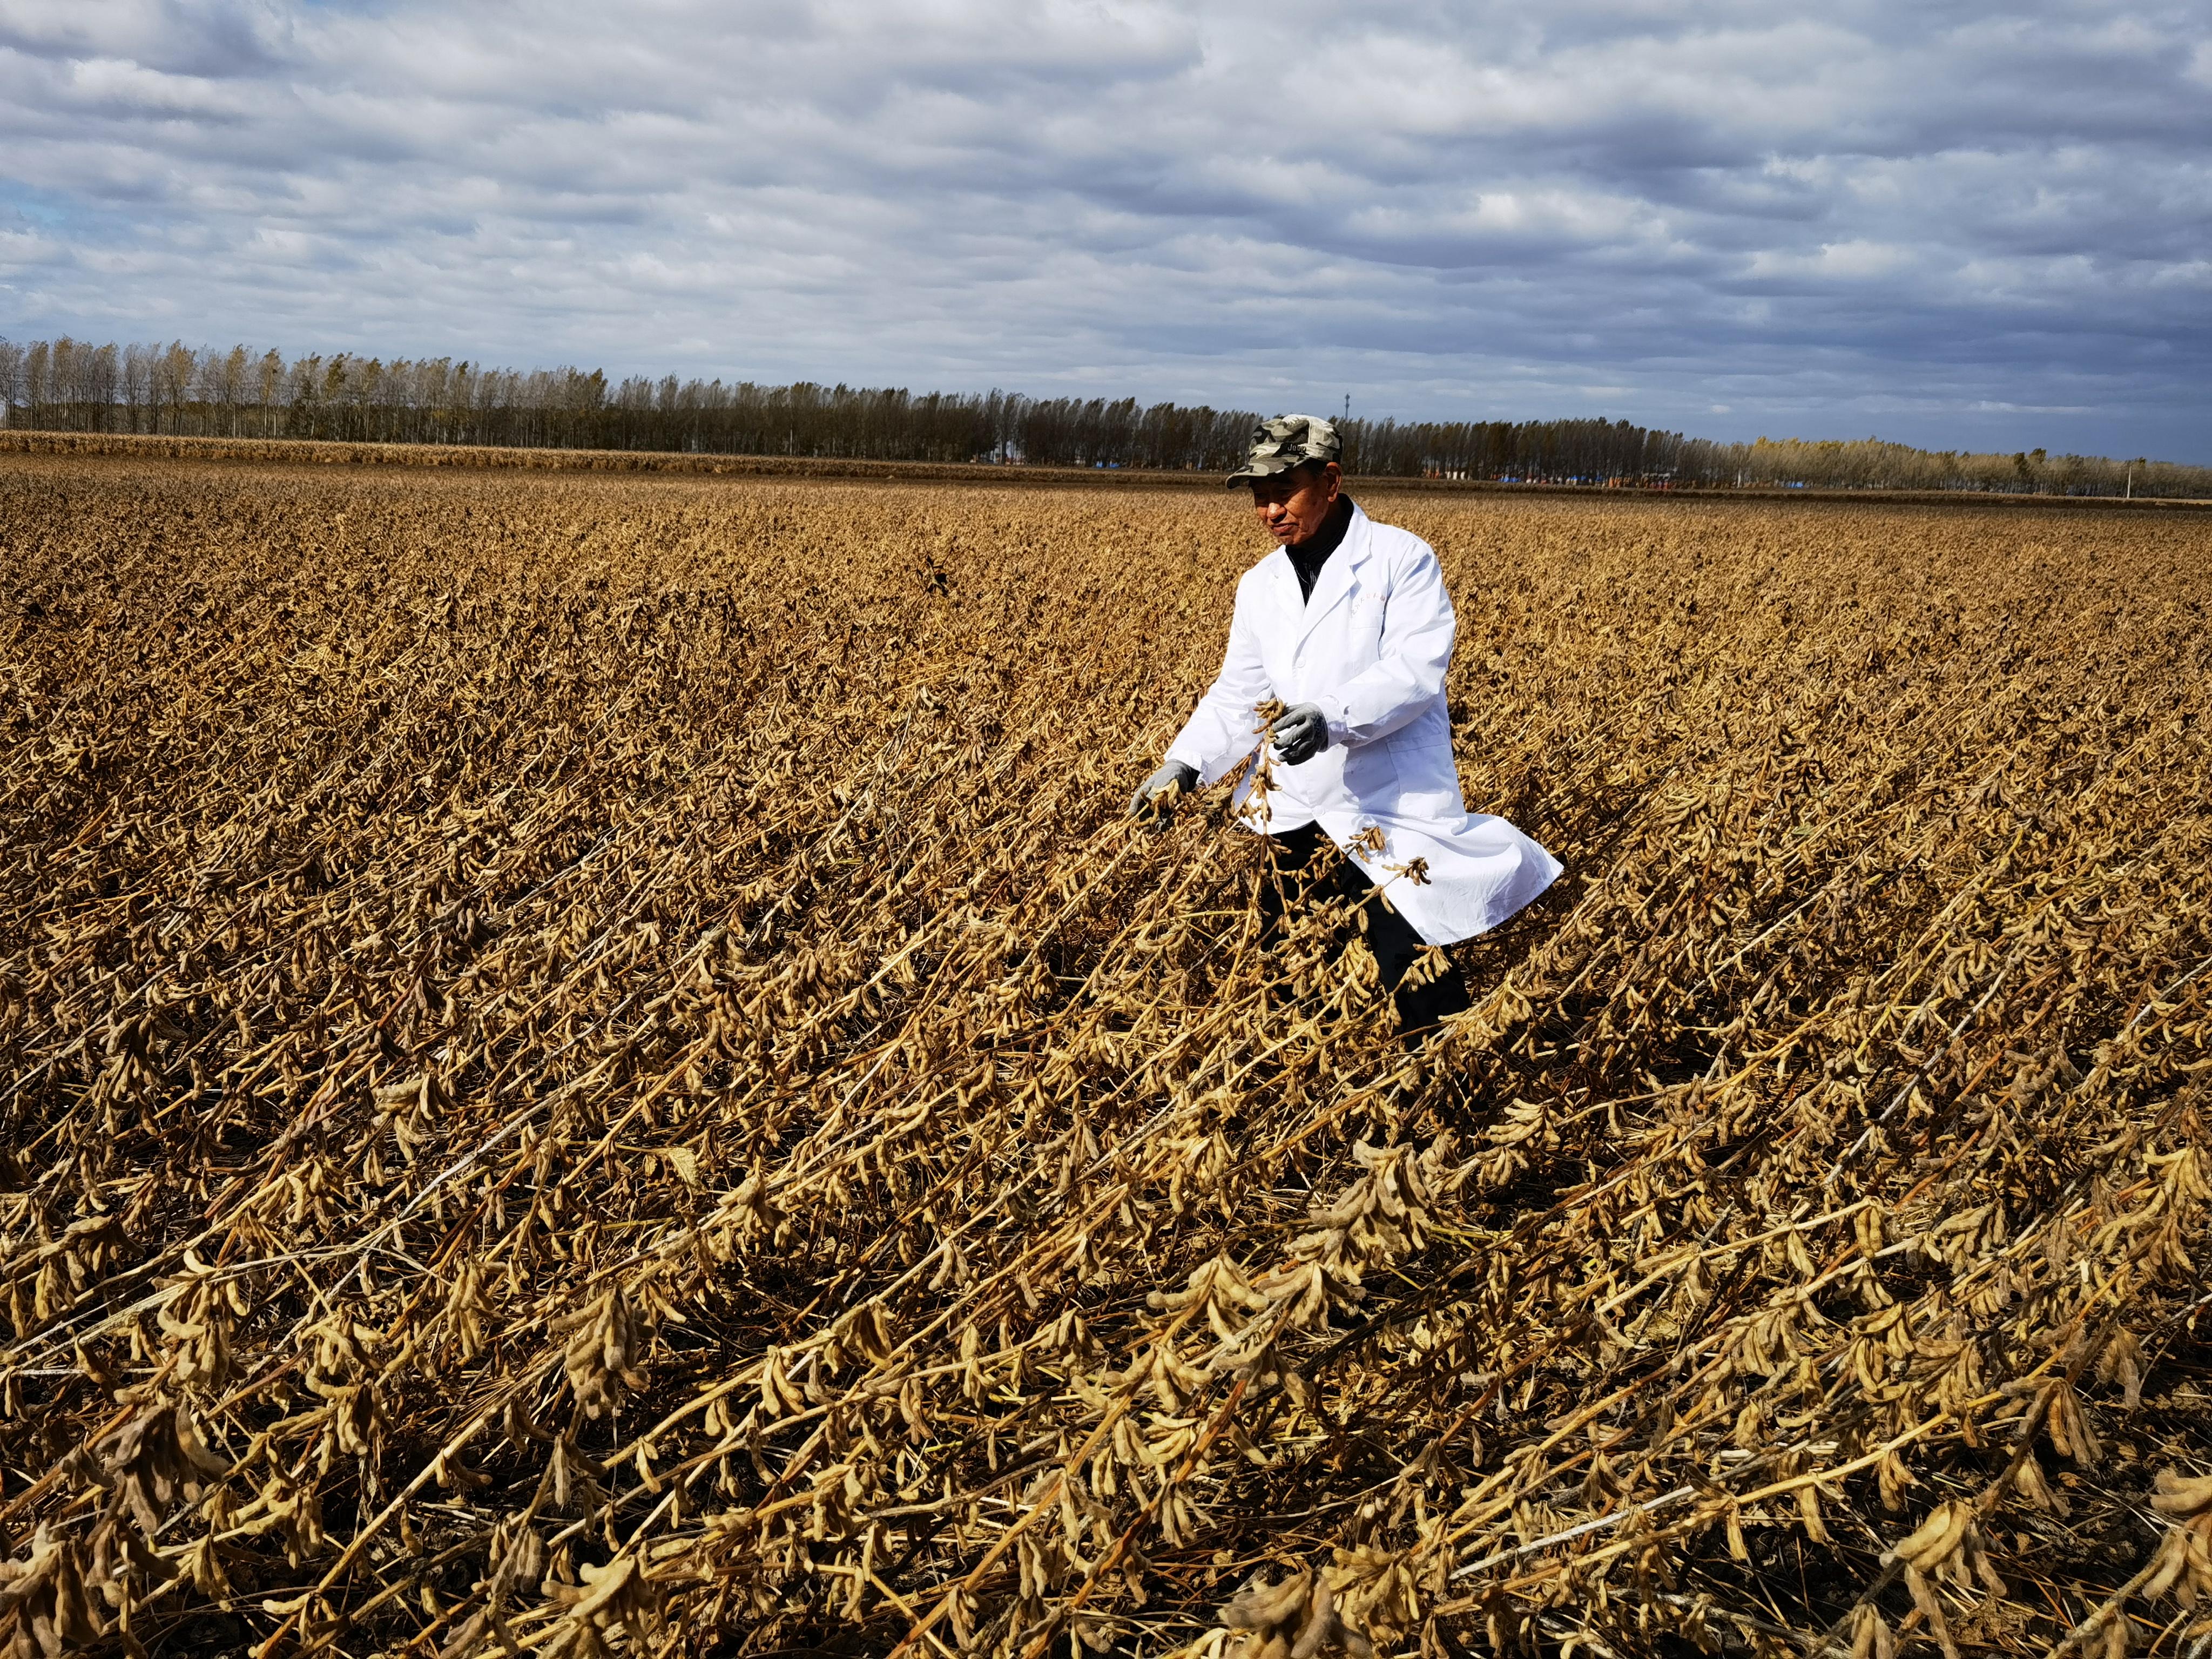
(1952, 224)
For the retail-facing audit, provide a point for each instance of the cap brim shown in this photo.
(1249, 473)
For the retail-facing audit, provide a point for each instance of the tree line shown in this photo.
(68, 384)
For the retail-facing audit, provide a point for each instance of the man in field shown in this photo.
(1347, 627)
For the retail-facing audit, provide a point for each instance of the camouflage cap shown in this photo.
(1287, 441)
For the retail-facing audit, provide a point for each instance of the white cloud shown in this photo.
(1985, 222)
(1834, 263)
(127, 88)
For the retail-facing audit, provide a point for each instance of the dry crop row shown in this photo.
(477, 458)
(591, 1066)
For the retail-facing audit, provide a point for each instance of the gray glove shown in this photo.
(1299, 733)
(1160, 790)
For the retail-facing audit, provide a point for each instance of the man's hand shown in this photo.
(1160, 790)
(1299, 733)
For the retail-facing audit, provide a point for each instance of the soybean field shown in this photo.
(593, 1066)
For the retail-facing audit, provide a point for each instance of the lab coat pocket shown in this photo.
(1428, 778)
(1371, 777)
(1362, 631)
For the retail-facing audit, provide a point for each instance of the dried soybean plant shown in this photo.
(593, 1068)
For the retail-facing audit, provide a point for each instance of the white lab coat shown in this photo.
(1371, 647)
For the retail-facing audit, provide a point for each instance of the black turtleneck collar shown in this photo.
(1308, 558)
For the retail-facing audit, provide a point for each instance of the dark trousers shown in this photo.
(1302, 865)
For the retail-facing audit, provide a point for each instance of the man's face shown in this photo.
(1294, 505)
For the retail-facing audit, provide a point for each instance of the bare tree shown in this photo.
(11, 380)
